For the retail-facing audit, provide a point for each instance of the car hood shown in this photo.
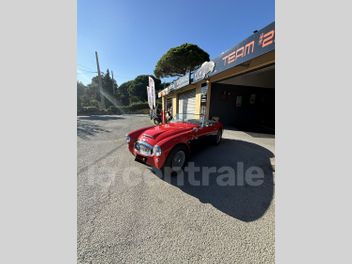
(158, 133)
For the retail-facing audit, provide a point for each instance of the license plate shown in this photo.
(141, 159)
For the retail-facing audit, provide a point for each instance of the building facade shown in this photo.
(238, 87)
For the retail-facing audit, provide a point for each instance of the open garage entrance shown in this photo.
(246, 101)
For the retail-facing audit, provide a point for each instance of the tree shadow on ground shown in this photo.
(88, 129)
(241, 200)
(100, 117)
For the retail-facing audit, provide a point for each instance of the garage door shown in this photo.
(187, 102)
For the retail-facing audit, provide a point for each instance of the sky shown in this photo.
(130, 36)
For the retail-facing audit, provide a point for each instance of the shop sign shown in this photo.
(206, 68)
(171, 87)
(176, 84)
(181, 82)
(256, 45)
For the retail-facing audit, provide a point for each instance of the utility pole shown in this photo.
(113, 86)
(100, 82)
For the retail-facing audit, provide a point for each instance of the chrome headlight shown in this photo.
(128, 138)
(157, 151)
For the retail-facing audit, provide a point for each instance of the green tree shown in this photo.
(138, 87)
(130, 92)
(179, 60)
(109, 85)
(122, 93)
(135, 91)
(93, 88)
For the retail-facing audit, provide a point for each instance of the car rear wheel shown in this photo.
(176, 160)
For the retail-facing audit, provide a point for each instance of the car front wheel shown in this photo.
(176, 160)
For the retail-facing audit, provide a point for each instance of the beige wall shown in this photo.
(198, 97)
(174, 104)
(163, 103)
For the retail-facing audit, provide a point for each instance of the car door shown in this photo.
(207, 129)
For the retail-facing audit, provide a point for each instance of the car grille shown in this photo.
(144, 148)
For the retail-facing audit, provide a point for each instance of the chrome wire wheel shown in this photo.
(178, 160)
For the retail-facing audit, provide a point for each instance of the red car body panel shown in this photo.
(167, 136)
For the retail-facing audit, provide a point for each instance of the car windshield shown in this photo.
(197, 119)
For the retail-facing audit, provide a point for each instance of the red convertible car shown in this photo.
(168, 145)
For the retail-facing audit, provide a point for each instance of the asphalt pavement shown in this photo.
(129, 213)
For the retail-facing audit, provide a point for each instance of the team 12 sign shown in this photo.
(257, 44)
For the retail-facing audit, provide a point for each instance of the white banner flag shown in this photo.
(152, 91)
(149, 97)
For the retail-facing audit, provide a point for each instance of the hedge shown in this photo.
(141, 107)
(135, 108)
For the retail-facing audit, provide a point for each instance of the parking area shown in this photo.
(128, 213)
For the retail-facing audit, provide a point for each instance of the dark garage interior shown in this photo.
(246, 102)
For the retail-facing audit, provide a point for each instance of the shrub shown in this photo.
(135, 108)
(89, 110)
(114, 110)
